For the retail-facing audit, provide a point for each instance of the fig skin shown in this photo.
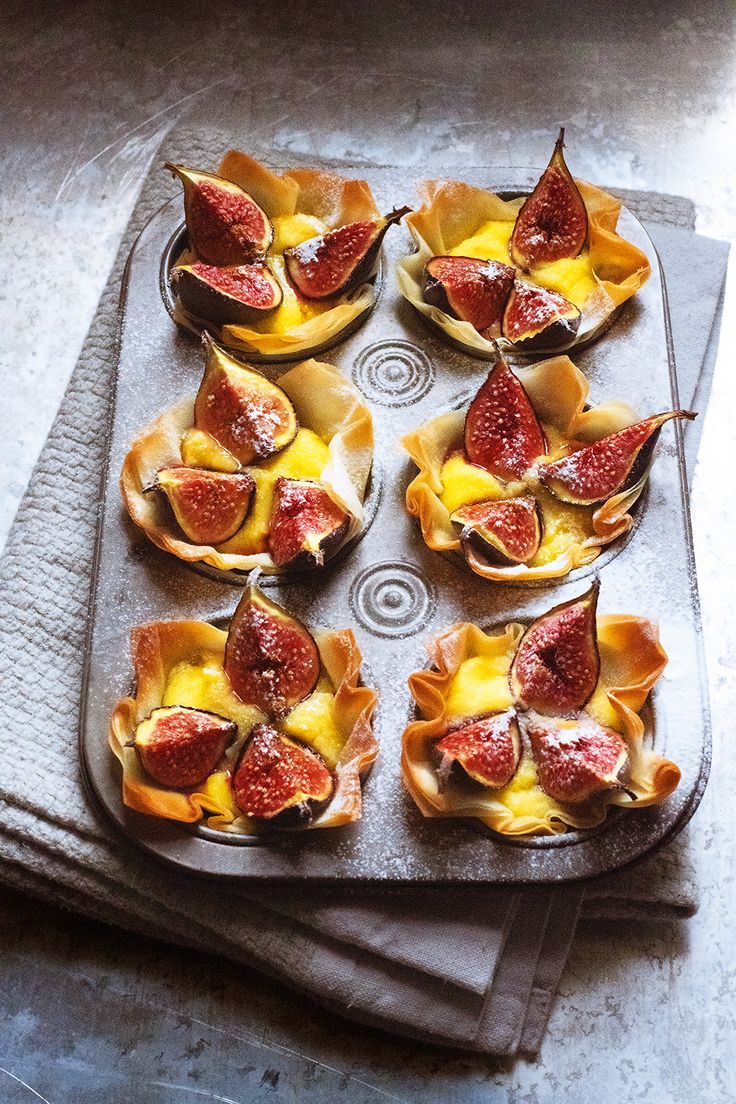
(615, 463)
(472, 290)
(226, 296)
(179, 747)
(335, 263)
(244, 411)
(553, 221)
(576, 759)
(486, 750)
(307, 527)
(503, 531)
(276, 776)
(537, 318)
(556, 666)
(502, 433)
(271, 658)
(225, 225)
(209, 506)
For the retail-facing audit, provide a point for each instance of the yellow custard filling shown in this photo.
(463, 483)
(564, 525)
(304, 458)
(572, 277)
(481, 685)
(294, 309)
(203, 684)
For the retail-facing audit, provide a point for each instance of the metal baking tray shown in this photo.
(396, 593)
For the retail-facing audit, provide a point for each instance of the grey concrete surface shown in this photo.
(87, 91)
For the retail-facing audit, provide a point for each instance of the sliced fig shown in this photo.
(225, 225)
(210, 506)
(536, 317)
(307, 527)
(271, 658)
(615, 463)
(472, 290)
(248, 414)
(576, 759)
(226, 296)
(556, 666)
(276, 776)
(502, 432)
(553, 221)
(487, 750)
(179, 747)
(334, 263)
(503, 530)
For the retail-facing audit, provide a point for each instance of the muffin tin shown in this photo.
(394, 591)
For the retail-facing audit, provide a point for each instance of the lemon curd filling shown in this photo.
(304, 458)
(203, 684)
(572, 277)
(463, 483)
(294, 309)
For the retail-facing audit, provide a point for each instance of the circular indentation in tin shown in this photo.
(393, 599)
(394, 373)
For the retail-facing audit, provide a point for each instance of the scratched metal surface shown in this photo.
(394, 591)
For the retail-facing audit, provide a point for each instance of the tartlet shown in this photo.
(290, 208)
(313, 470)
(587, 270)
(537, 416)
(488, 709)
(185, 673)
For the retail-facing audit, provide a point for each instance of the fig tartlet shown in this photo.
(259, 727)
(535, 730)
(278, 265)
(254, 473)
(539, 273)
(526, 483)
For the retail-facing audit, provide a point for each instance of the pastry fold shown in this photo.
(157, 648)
(452, 211)
(632, 659)
(333, 199)
(558, 392)
(325, 402)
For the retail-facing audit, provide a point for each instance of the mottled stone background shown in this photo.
(88, 92)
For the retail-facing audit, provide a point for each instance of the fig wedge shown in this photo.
(307, 527)
(537, 318)
(553, 221)
(209, 506)
(276, 776)
(226, 296)
(615, 463)
(486, 750)
(248, 414)
(179, 747)
(472, 290)
(333, 264)
(225, 225)
(271, 658)
(576, 759)
(504, 530)
(502, 432)
(556, 666)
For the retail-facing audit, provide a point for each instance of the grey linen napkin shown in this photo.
(472, 968)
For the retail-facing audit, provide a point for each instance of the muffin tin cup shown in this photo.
(395, 592)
